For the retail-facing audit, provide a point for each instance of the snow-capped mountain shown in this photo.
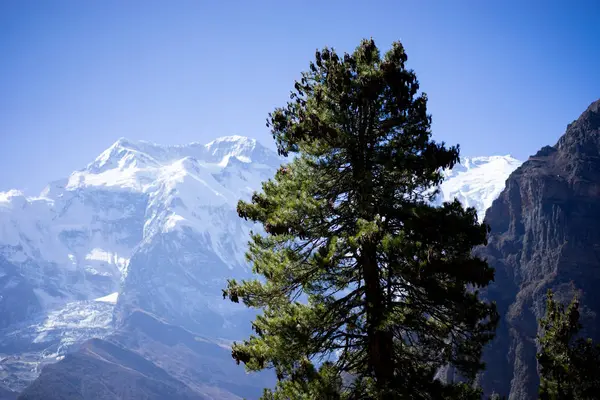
(75, 241)
(154, 225)
(477, 182)
(146, 227)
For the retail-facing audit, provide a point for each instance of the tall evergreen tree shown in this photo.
(368, 289)
(569, 366)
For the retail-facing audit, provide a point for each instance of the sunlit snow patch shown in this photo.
(478, 181)
(111, 298)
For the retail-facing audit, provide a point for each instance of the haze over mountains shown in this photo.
(133, 250)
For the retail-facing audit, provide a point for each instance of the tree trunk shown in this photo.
(380, 341)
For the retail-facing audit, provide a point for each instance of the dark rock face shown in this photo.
(545, 234)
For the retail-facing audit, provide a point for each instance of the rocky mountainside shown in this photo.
(544, 234)
(81, 238)
(142, 227)
(146, 235)
(101, 370)
(151, 359)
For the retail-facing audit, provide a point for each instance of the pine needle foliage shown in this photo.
(366, 288)
(569, 365)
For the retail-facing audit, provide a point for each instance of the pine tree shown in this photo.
(569, 366)
(361, 275)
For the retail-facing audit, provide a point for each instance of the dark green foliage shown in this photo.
(359, 269)
(569, 366)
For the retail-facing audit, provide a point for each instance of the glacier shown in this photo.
(147, 227)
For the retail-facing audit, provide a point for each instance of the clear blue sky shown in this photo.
(502, 76)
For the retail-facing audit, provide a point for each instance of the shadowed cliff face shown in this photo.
(545, 233)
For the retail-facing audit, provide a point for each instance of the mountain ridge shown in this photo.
(143, 227)
(544, 236)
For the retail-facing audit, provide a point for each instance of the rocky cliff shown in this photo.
(544, 234)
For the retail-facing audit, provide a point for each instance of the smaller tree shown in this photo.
(569, 366)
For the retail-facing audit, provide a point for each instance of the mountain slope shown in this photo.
(149, 226)
(76, 240)
(152, 228)
(148, 358)
(102, 370)
(544, 235)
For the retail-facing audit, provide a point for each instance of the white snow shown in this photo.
(478, 181)
(75, 242)
(7, 197)
(110, 298)
(88, 226)
(107, 257)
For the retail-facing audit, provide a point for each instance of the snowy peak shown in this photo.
(231, 146)
(135, 165)
(489, 162)
(151, 227)
(85, 228)
(124, 152)
(478, 181)
(215, 152)
(229, 149)
(12, 199)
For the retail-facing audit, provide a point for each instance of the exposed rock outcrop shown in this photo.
(545, 233)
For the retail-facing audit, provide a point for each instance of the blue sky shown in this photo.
(503, 77)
